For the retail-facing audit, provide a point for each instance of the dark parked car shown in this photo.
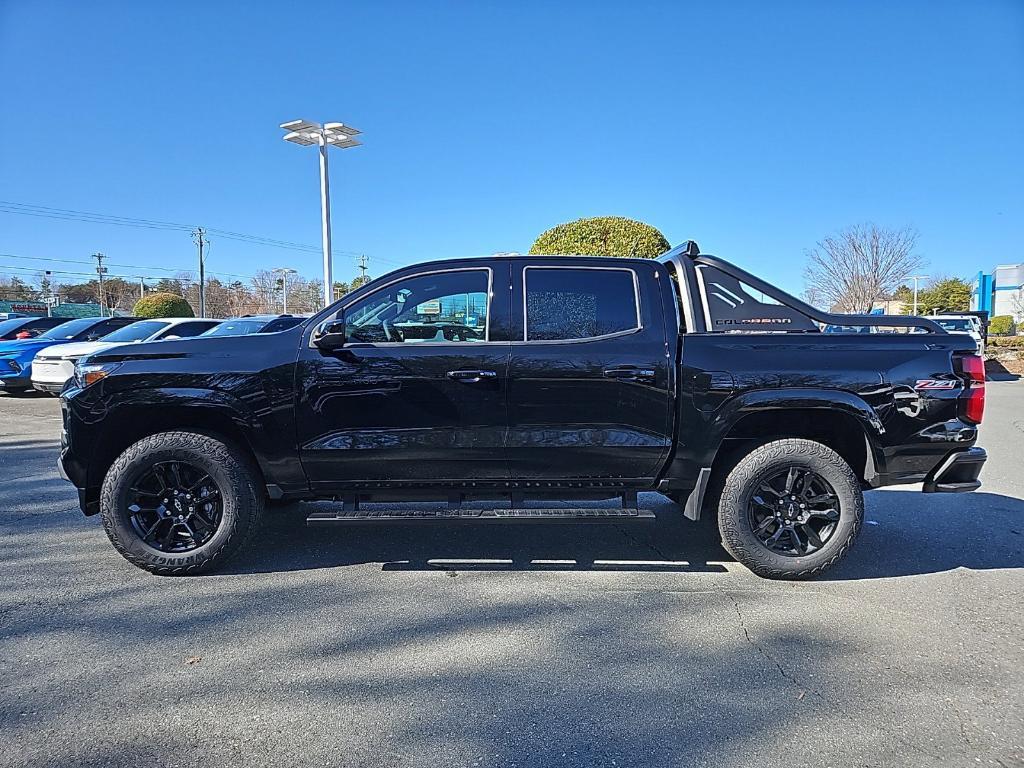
(27, 327)
(243, 326)
(545, 378)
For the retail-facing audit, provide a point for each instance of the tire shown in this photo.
(231, 475)
(742, 509)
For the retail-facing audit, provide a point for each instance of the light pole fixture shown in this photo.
(915, 278)
(306, 133)
(284, 272)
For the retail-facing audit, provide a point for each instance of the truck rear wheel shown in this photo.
(178, 503)
(790, 509)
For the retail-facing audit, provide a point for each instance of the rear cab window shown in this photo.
(732, 306)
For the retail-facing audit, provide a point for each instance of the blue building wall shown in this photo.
(981, 301)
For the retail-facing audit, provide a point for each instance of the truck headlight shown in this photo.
(87, 374)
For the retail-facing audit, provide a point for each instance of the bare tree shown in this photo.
(860, 265)
(1017, 306)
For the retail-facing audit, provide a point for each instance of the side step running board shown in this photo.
(556, 515)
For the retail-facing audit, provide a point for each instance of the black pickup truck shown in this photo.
(519, 380)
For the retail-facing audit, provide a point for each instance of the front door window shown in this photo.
(439, 307)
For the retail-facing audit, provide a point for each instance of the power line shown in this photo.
(122, 266)
(70, 214)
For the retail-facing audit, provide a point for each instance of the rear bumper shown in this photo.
(958, 473)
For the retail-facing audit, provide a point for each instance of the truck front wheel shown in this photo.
(790, 509)
(180, 502)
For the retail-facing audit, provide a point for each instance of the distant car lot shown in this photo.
(506, 645)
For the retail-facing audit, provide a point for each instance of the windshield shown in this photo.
(241, 327)
(6, 326)
(962, 326)
(136, 331)
(68, 330)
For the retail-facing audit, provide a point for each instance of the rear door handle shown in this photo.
(472, 377)
(630, 373)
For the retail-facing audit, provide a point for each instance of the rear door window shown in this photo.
(574, 303)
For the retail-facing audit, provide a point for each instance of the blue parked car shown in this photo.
(16, 356)
(17, 328)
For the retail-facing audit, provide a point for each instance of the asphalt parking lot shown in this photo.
(475, 645)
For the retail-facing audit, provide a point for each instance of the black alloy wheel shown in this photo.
(794, 512)
(175, 506)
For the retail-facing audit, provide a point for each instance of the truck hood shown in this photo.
(198, 347)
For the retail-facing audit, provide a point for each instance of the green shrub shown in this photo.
(1001, 325)
(602, 236)
(1006, 342)
(162, 305)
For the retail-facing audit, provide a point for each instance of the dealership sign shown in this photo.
(24, 307)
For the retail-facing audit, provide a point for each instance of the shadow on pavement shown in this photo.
(918, 533)
(906, 534)
(668, 544)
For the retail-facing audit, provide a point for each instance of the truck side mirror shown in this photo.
(330, 334)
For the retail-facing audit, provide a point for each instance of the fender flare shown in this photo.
(763, 400)
(197, 400)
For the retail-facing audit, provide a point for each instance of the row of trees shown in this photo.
(263, 293)
(850, 271)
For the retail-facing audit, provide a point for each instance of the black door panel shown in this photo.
(393, 413)
(589, 408)
(419, 395)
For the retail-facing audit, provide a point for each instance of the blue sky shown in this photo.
(755, 128)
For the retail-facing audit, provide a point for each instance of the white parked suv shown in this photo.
(968, 324)
(53, 366)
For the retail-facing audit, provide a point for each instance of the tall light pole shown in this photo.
(915, 278)
(284, 272)
(306, 133)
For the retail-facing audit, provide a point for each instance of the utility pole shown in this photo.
(915, 278)
(199, 236)
(100, 270)
(142, 287)
(362, 268)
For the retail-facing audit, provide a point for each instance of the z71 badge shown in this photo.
(935, 384)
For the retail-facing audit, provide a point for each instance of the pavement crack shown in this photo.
(642, 544)
(769, 657)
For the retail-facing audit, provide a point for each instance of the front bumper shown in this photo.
(13, 380)
(958, 473)
(45, 386)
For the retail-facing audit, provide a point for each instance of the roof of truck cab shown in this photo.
(521, 257)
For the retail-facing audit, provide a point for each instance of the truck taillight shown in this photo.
(972, 401)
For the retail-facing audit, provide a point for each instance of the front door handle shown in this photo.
(630, 373)
(472, 377)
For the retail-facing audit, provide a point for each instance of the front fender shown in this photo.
(108, 422)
